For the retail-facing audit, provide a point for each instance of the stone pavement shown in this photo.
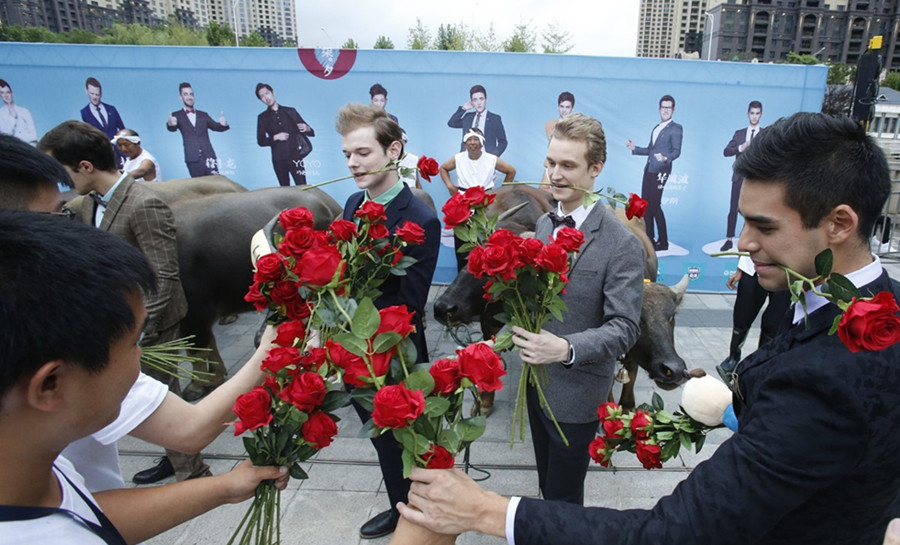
(345, 489)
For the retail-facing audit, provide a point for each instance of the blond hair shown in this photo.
(587, 129)
(354, 116)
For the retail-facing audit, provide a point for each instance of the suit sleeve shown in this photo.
(456, 120)
(731, 149)
(623, 291)
(215, 125)
(642, 151)
(153, 226)
(754, 481)
(263, 139)
(311, 131)
(171, 128)
(501, 137)
(677, 134)
(119, 124)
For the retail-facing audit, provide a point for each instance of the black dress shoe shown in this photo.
(727, 246)
(380, 525)
(163, 469)
(661, 246)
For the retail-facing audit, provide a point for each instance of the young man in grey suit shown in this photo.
(663, 149)
(125, 208)
(604, 309)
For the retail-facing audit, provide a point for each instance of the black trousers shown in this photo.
(205, 166)
(652, 186)
(750, 298)
(733, 209)
(289, 167)
(389, 458)
(561, 468)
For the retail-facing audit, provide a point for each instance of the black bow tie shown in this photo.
(97, 198)
(568, 221)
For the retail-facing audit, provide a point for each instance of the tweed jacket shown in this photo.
(814, 459)
(602, 320)
(137, 215)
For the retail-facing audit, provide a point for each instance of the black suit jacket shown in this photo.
(412, 289)
(494, 133)
(196, 137)
(731, 150)
(114, 121)
(269, 123)
(814, 460)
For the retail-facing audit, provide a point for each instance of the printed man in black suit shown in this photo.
(98, 113)
(735, 148)
(663, 149)
(199, 155)
(283, 129)
(489, 123)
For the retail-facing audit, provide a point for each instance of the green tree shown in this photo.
(218, 35)
(555, 40)
(840, 73)
(452, 38)
(891, 80)
(289, 43)
(350, 44)
(182, 35)
(795, 58)
(522, 40)
(487, 41)
(419, 36)
(254, 39)
(837, 100)
(383, 42)
(79, 36)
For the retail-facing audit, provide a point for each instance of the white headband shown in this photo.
(472, 133)
(132, 139)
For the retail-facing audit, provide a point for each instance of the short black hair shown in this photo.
(4, 84)
(754, 104)
(564, 96)
(73, 141)
(823, 161)
(64, 289)
(25, 171)
(93, 82)
(258, 87)
(377, 89)
(667, 98)
(184, 85)
(477, 89)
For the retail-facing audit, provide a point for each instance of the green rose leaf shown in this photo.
(824, 262)
(366, 320)
(420, 380)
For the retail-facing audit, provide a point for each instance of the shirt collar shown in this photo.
(579, 214)
(104, 199)
(385, 198)
(859, 277)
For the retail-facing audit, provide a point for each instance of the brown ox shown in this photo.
(462, 301)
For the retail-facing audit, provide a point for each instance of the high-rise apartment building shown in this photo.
(670, 28)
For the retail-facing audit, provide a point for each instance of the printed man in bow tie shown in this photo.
(603, 297)
(489, 123)
(120, 206)
(194, 124)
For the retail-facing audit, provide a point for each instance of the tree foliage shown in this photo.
(487, 41)
(452, 38)
(419, 36)
(523, 40)
(254, 39)
(383, 42)
(840, 73)
(838, 99)
(892, 80)
(218, 35)
(555, 40)
(796, 58)
(350, 44)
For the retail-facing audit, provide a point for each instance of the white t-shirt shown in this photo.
(131, 164)
(96, 457)
(57, 529)
(409, 161)
(475, 173)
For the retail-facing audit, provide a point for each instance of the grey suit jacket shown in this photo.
(137, 215)
(604, 298)
(668, 143)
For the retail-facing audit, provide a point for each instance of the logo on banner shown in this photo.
(327, 63)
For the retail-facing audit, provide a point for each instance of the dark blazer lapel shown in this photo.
(590, 227)
(116, 202)
(353, 204)
(395, 210)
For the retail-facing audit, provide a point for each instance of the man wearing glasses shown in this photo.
(663, 149)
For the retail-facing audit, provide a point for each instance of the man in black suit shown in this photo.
(98, 113)
(663, 149)
(814, 458)
(199, 155)
(371, 141)
(735, 148)
(489, 123)
(283, 129)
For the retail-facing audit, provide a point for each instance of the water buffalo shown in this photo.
(462, 303)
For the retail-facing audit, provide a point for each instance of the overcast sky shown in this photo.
(597, 27)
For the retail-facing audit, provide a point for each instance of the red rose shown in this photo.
(456, 211)
(475, 263)
(437, 457)
(870, 324)
(639, 424)
(504, 237)
(316, 358)
(297, 241)
(378, 230)
(306, 391)
(252, 410)
(269, 268)
(611, 428)
(479, 363)
(500, 261)
(289, 332)
(320, 265)
(597, 449)
(371, 212)
(295, 218)
(411, 233)
(354, 367)
(284, 291)
(280, 357)
(319, 430)
(570, 239)
(608, 409)
(271, 384)
(396, 406)
(648, 454)
(297, 309)
(428, 167)
(445, 373)
(396, 318)
(477, 197)
(259, 301)
(343, 230)
(529, 249)
(553, 258)
(636, 207)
